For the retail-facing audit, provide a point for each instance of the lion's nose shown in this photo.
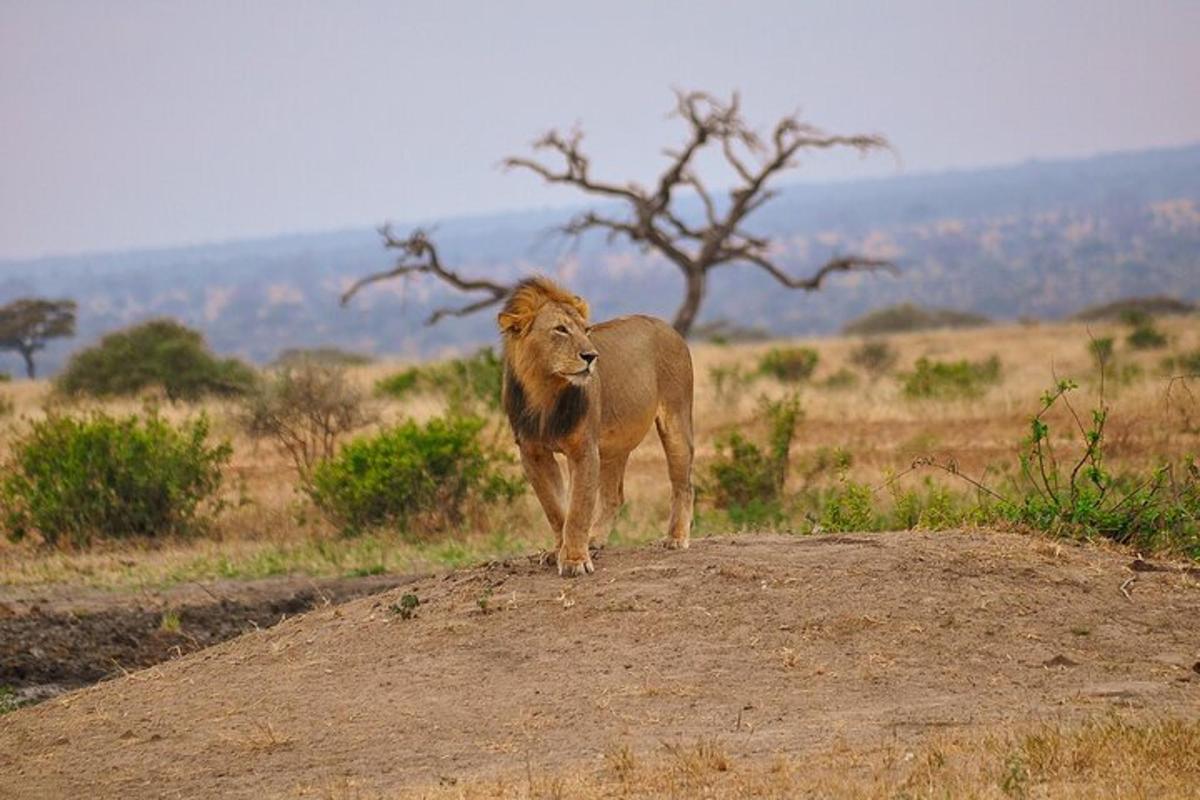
(589, 356)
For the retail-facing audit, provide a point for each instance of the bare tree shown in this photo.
(26, 324)
(651, 217)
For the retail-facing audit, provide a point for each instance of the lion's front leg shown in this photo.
(583, 467)
(546, 477)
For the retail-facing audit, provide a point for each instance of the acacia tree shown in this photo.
(26, 325)
(651, 218)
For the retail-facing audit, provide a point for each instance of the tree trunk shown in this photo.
(685, 317)
(30, 369)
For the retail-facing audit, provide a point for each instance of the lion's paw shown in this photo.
(571, 567)
(675, 544)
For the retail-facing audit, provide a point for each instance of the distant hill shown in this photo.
(1157, 306)
(1041, 239)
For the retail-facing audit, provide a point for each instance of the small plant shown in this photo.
(305, 409)
(6, 406)
(8, 700)
(407, 607)
(1102, 350)
(731, 381)
(5, 377)
(160, 353)
(747, 480)
(789, 364)
(483, 602)
(1144, 335)
(467, 383)
(841, 380)
(418, 477)
(946, 380)
(875, 357)
(96, 476)
(170, 622)
(849, 506)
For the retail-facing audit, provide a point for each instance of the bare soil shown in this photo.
(770, 644)
(54, 639)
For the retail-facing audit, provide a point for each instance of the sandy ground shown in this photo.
(771, 644)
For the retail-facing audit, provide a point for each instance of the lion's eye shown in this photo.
(560, 329)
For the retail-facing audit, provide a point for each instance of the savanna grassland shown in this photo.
(856, 425)
(855, 617)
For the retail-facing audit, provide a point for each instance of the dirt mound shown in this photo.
(772, 644)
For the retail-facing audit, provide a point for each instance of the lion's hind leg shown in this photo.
(675, 431)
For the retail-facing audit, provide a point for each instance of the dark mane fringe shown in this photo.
(530, 424)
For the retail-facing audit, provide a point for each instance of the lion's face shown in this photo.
(558, 342)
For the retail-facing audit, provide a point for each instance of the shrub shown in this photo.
(1102, 350)
(849, 506)
(466, 383)
(908, 317)
(1144, 306)
(841, 380)
(305, 408)
(730, 381)
(159, 353)
(747, 480)
(944, 380)
(96, 476)
(1183, 364)
(420, 478)
(6, 406)
(1145, 336)
(5, 377)
(789, 364)
(874, 357)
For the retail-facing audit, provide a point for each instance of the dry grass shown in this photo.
(1106, 758)
(271, 529)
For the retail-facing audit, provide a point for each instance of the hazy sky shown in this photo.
(130, 124)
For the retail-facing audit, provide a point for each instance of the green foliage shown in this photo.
(731, 381)
(947, 380)
(874, 357)
(1102, 350)
(908, 317)
(305, 409)
(1137, 307)
(1145, 336)
(6, 406)
(849, 506)
(407, 607)
(1182, 364)
(841, 380)
(8, 700)
(97, 476)
(5, 377)
(789, 364)
(160, 353)
(419, 478)
(467, 383)
(747, 479)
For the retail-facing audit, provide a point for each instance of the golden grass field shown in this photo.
(270, 529)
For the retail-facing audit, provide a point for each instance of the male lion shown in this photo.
(591, 394)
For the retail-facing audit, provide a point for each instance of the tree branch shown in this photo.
(419, 255)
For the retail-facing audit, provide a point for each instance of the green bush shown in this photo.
(731, 381)
(96, 476)
(789, 364)
(908, 317)
(945, 380)
(5, 377)
(1182, 364)
(747, 480)
(419, 478)
(160, 353)
(466, 383)
(841, 380)
(1145, 336)
(847, 507)
(874, 357)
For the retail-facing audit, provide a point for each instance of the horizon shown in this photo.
(137, 125)
(565, 208)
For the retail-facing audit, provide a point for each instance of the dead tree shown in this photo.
(26, 324)
(651, 217)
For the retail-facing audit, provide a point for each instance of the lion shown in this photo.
(591, 393)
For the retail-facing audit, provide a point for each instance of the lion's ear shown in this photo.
(581, 306)
(510, 323)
